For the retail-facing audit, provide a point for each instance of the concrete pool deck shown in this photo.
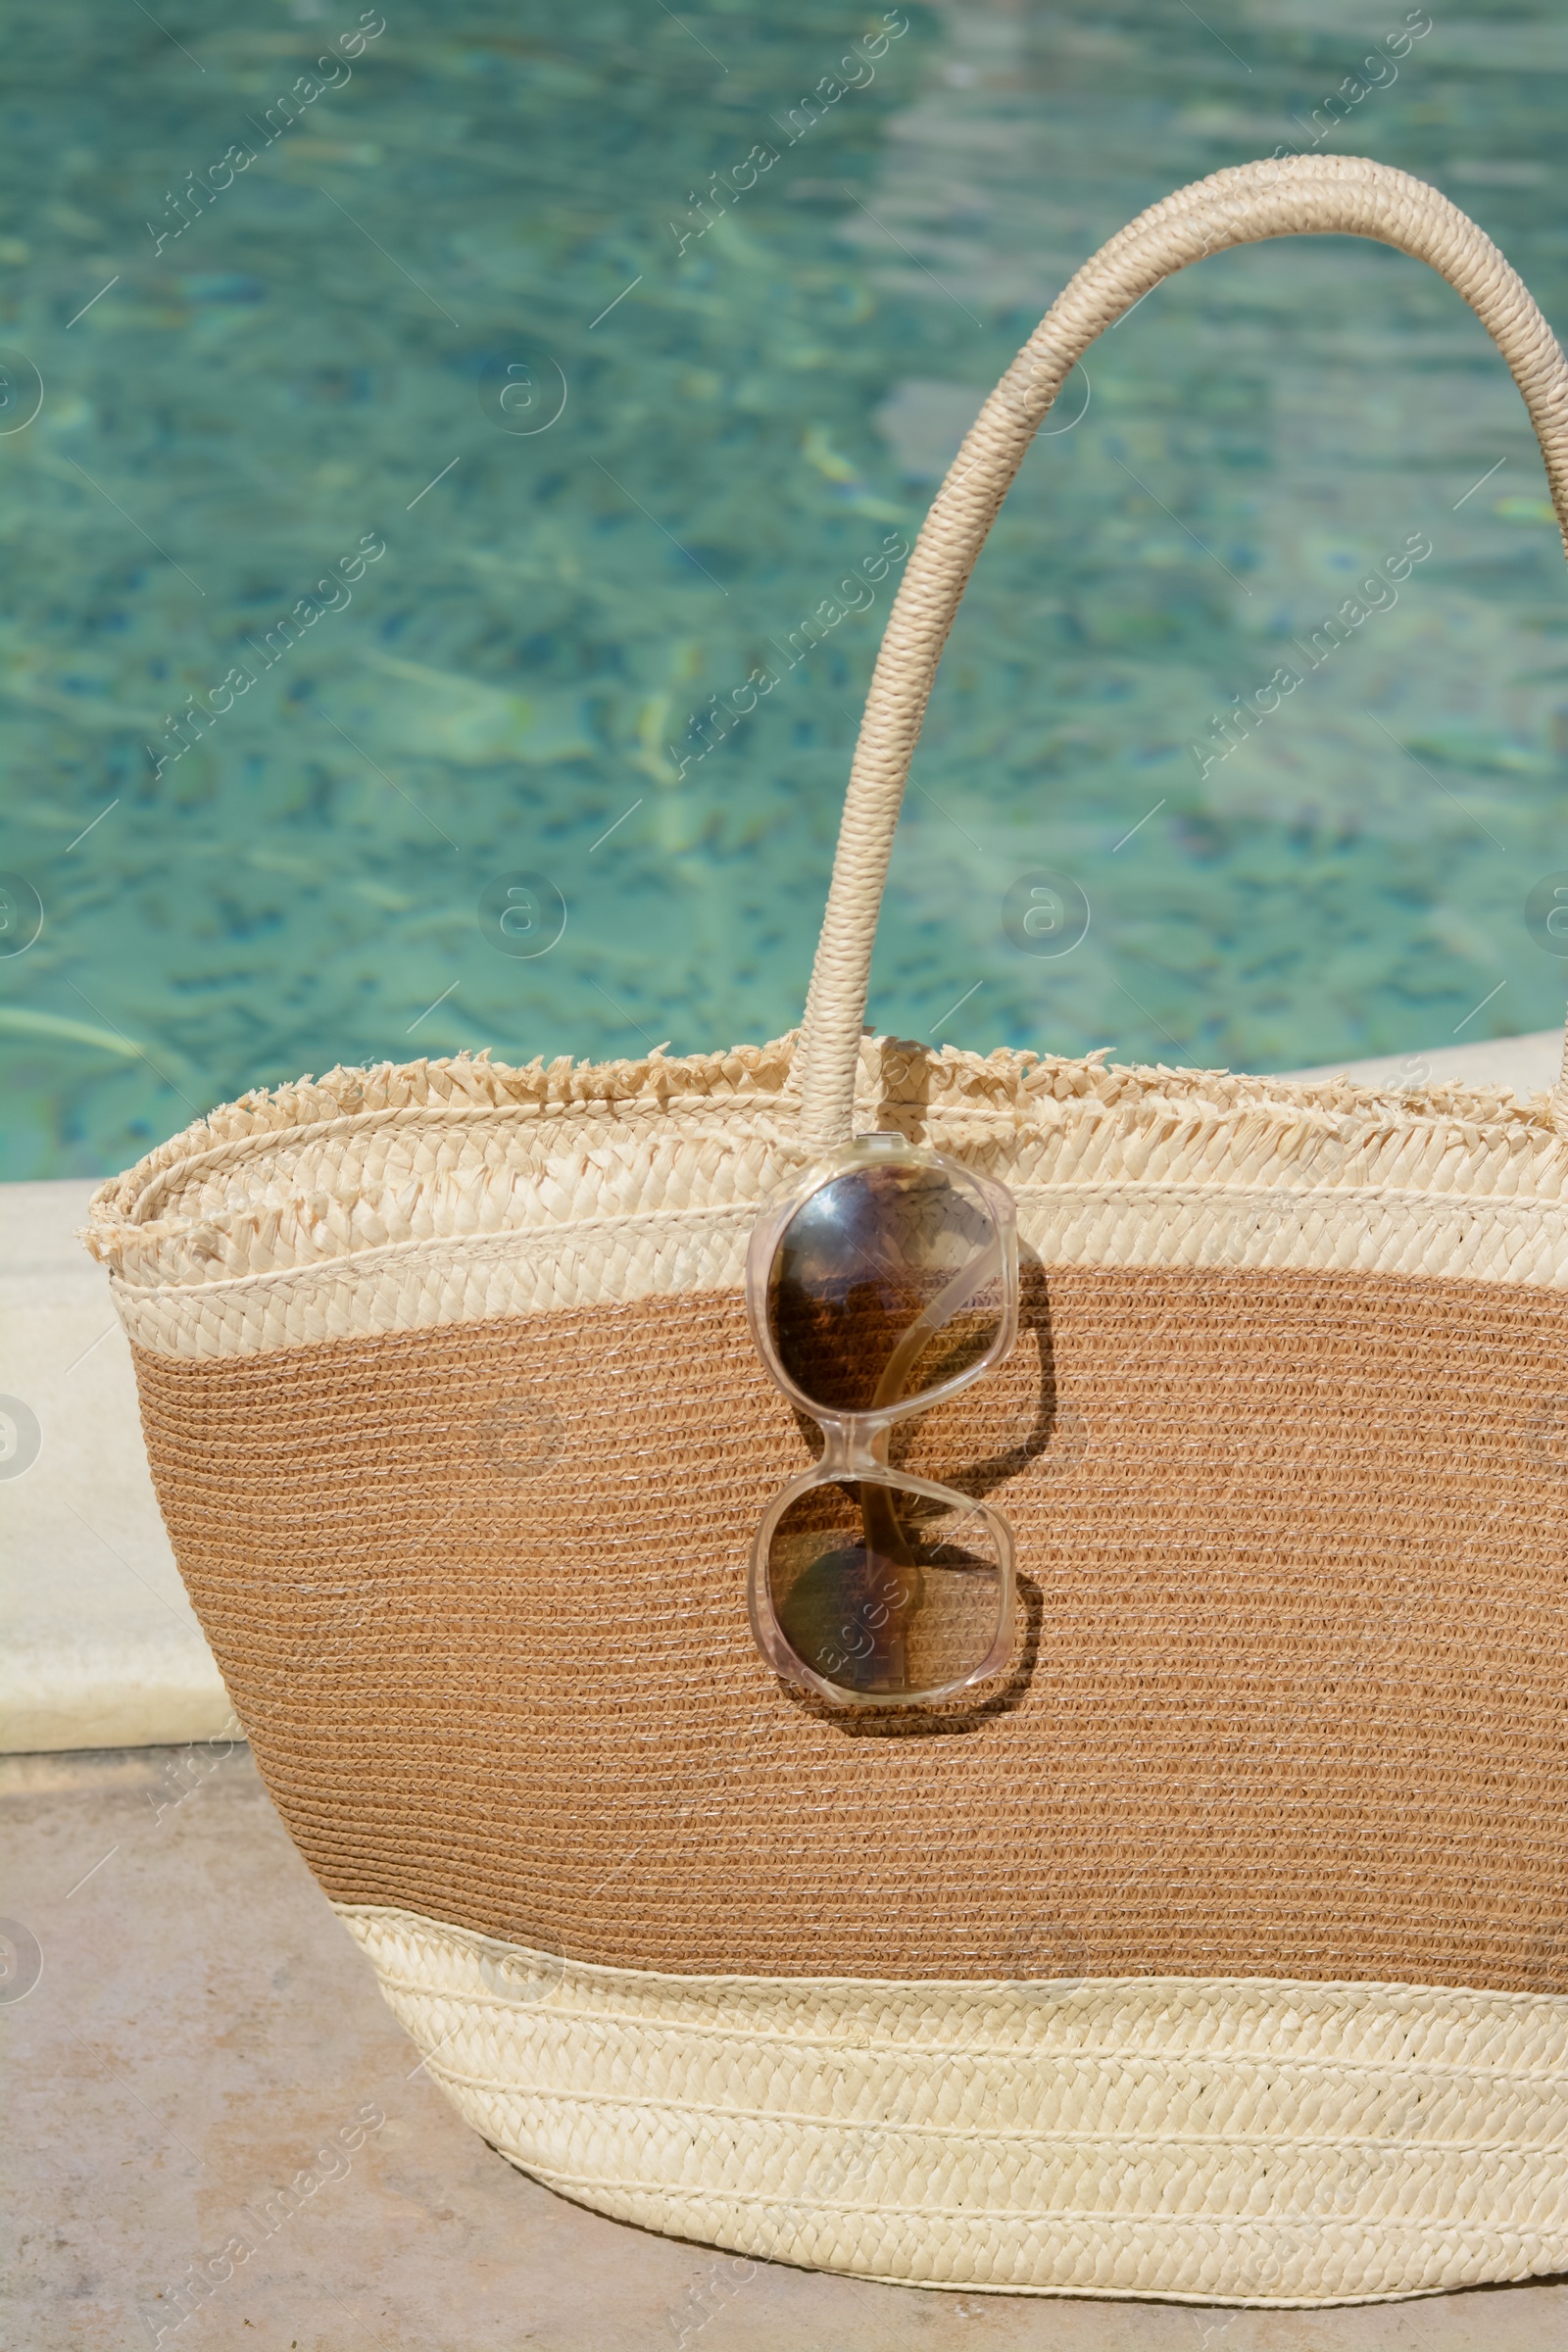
(101, 1648)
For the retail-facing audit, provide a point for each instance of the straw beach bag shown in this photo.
(1218, 1949)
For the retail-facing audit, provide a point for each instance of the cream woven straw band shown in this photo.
(1221, 1953)
(1220, 2141)
(1299, 196)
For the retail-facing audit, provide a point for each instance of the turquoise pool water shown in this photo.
(522, 381)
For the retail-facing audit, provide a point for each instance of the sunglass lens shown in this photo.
(886, 1593)
(887, 1282)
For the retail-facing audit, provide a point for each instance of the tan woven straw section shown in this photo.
(1250, 2142)
(451, 1191)
(1290, 1700)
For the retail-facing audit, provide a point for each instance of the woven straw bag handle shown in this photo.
(1301, 195)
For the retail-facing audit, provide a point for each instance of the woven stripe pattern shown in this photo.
(1220, 2141)
(1289, 1697)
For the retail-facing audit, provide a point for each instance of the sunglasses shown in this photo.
(877, 1288)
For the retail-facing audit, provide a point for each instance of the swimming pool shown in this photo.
(449, 409)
